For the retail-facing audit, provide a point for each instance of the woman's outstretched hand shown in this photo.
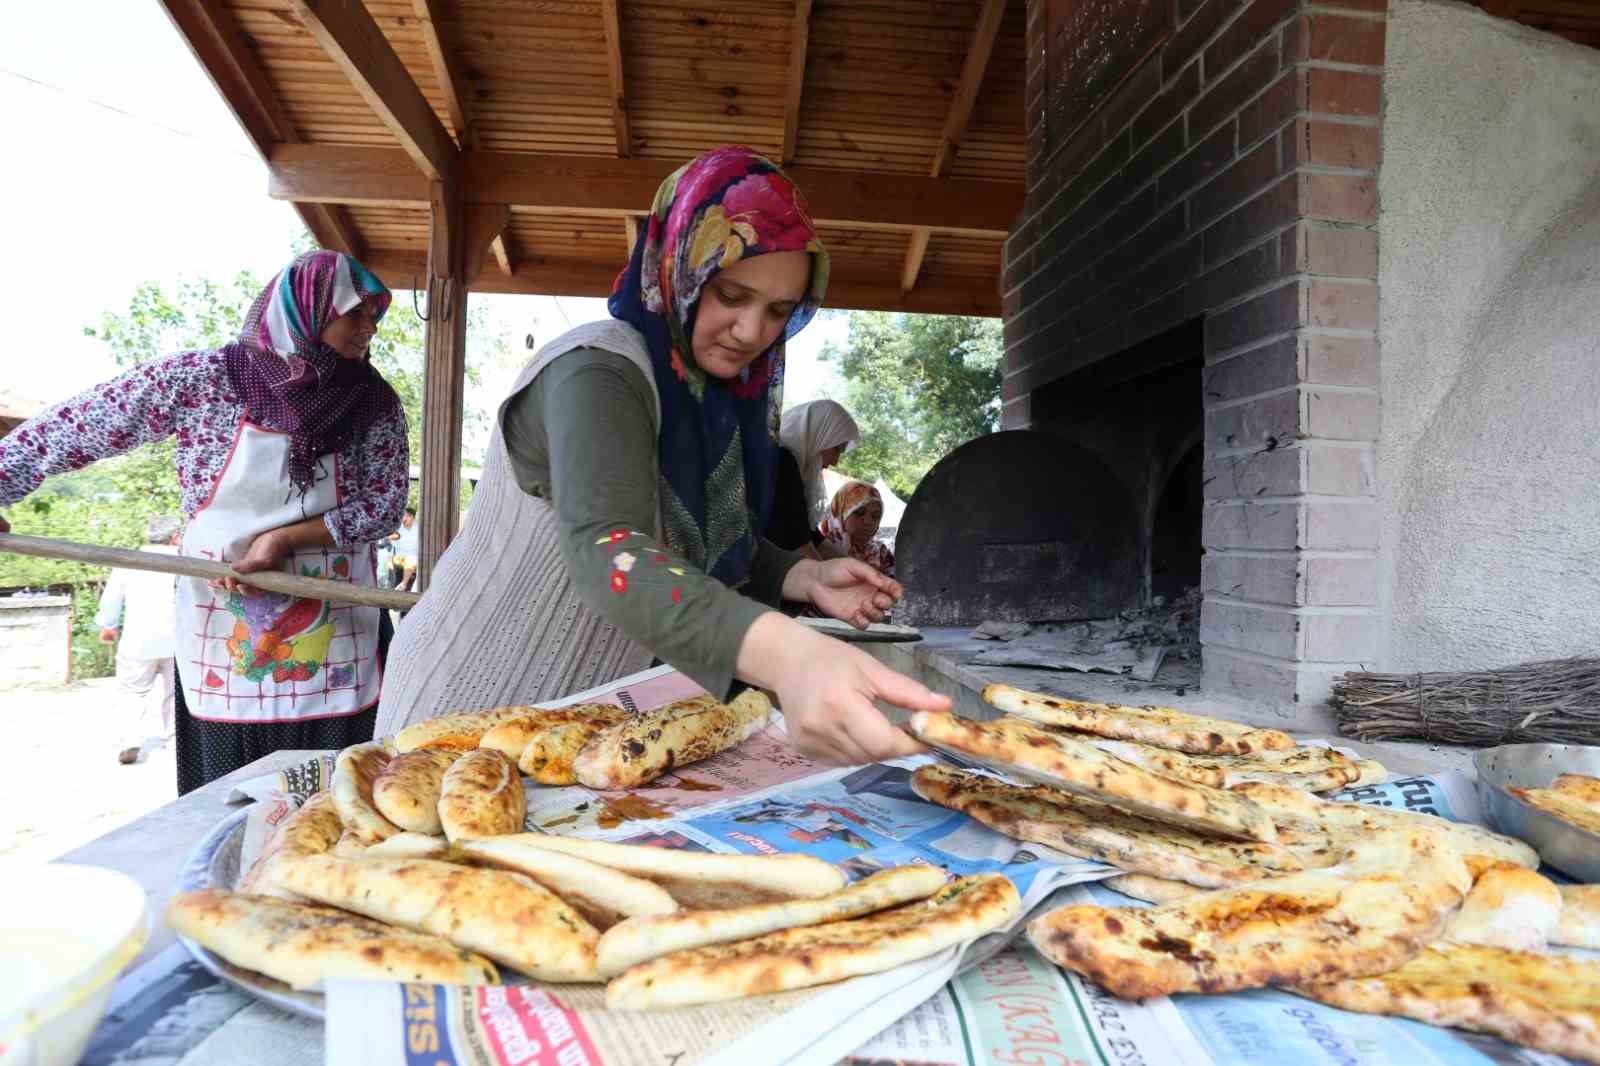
(826, 689)
(847, 589)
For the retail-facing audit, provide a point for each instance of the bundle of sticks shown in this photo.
(1554, 701)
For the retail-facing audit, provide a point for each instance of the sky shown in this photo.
(128, 167)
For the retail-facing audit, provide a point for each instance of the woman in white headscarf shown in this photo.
(816, 434)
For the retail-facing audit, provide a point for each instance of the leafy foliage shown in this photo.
(919, 386)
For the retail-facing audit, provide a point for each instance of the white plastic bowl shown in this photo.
(66, 932)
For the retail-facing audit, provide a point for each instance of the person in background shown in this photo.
(405, 552)
(627, 484)
(814, 435)
(137, 614)
(851, 524)
(291, 455)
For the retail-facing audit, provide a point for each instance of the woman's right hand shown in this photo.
(826, 689)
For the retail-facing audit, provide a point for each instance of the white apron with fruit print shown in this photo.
(269, 657)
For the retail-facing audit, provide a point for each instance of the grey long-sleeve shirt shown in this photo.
(582, 435)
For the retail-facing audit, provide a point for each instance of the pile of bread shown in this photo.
(1259, 882)
(413, 867)
(1573, 798)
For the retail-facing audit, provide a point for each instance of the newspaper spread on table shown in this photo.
(995, 1002)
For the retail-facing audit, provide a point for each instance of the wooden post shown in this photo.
(444, 376)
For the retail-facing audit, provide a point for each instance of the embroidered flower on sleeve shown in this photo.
(619, 582)
(624, 561)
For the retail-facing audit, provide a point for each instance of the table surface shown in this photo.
(151, 849)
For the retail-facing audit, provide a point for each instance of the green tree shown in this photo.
(919, 386)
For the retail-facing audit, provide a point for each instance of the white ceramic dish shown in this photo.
(66, 933)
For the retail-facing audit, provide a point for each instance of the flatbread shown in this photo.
(1570, 805)
(504, 915)
(1155, 890)
(311, 830)
(303, 945)
(1314, 827)
(960, 912)
(549, 757)
(1164, 727)
(1092, 830)
(1509, 907)
(481, 796)
(512, 736)
(1314, 769)
(602, 895)
(1581, 788)
(1048, 757)
(639, 940)
(454, 732)
(409, 846)
(1579, 923)
(1547, 1002)
(1366, 917)
(647, 745)
(353, 774)
(703, 880)
(353, 843)
(406, 791)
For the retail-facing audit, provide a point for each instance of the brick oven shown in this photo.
(1192, 293)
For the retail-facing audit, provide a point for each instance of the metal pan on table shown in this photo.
(876, 633)
(1573, 851)
(214, 863)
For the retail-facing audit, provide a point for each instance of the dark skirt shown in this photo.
(209, 750)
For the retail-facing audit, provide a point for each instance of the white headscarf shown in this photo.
(808, 430)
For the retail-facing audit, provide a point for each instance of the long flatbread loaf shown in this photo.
(512, 736)
(1052, 758)
(1164, 727)
(702, 880)
(641, 939)
(481, 796)
(962, 911)
(1092, 830)
(354, 771)
(1366, 918)
(1579, 924)
(311, 830)
(303, 945)
(454, 732)
(1311, 768)
(406, 791)
(504, 915)
(1571, 804)
(1311, 826)
(1547, 1002)
(602, 895)
(1156, 890)
(551, 757)
(647, 745)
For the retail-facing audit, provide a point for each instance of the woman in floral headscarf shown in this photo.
(628, 478)
(291, 455)
(851, 525)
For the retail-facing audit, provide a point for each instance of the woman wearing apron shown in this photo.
(291, 456)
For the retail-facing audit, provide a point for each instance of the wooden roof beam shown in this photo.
(351, 38)
(564, 278)
(557, 184)
(955, 123)
(619, 97)
(799, 41)
(217, 44)
(444, 72)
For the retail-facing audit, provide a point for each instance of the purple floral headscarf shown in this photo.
(290, 380)
(719, 439)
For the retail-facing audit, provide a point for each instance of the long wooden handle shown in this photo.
(315, 588)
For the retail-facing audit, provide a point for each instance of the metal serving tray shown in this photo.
(1571, 850)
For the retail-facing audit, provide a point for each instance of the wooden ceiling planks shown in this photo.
(877, 79)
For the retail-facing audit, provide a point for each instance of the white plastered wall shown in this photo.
(1489, 457)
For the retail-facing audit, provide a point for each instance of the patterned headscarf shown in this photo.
(293, 382)
(852, 497)
(719, 439)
